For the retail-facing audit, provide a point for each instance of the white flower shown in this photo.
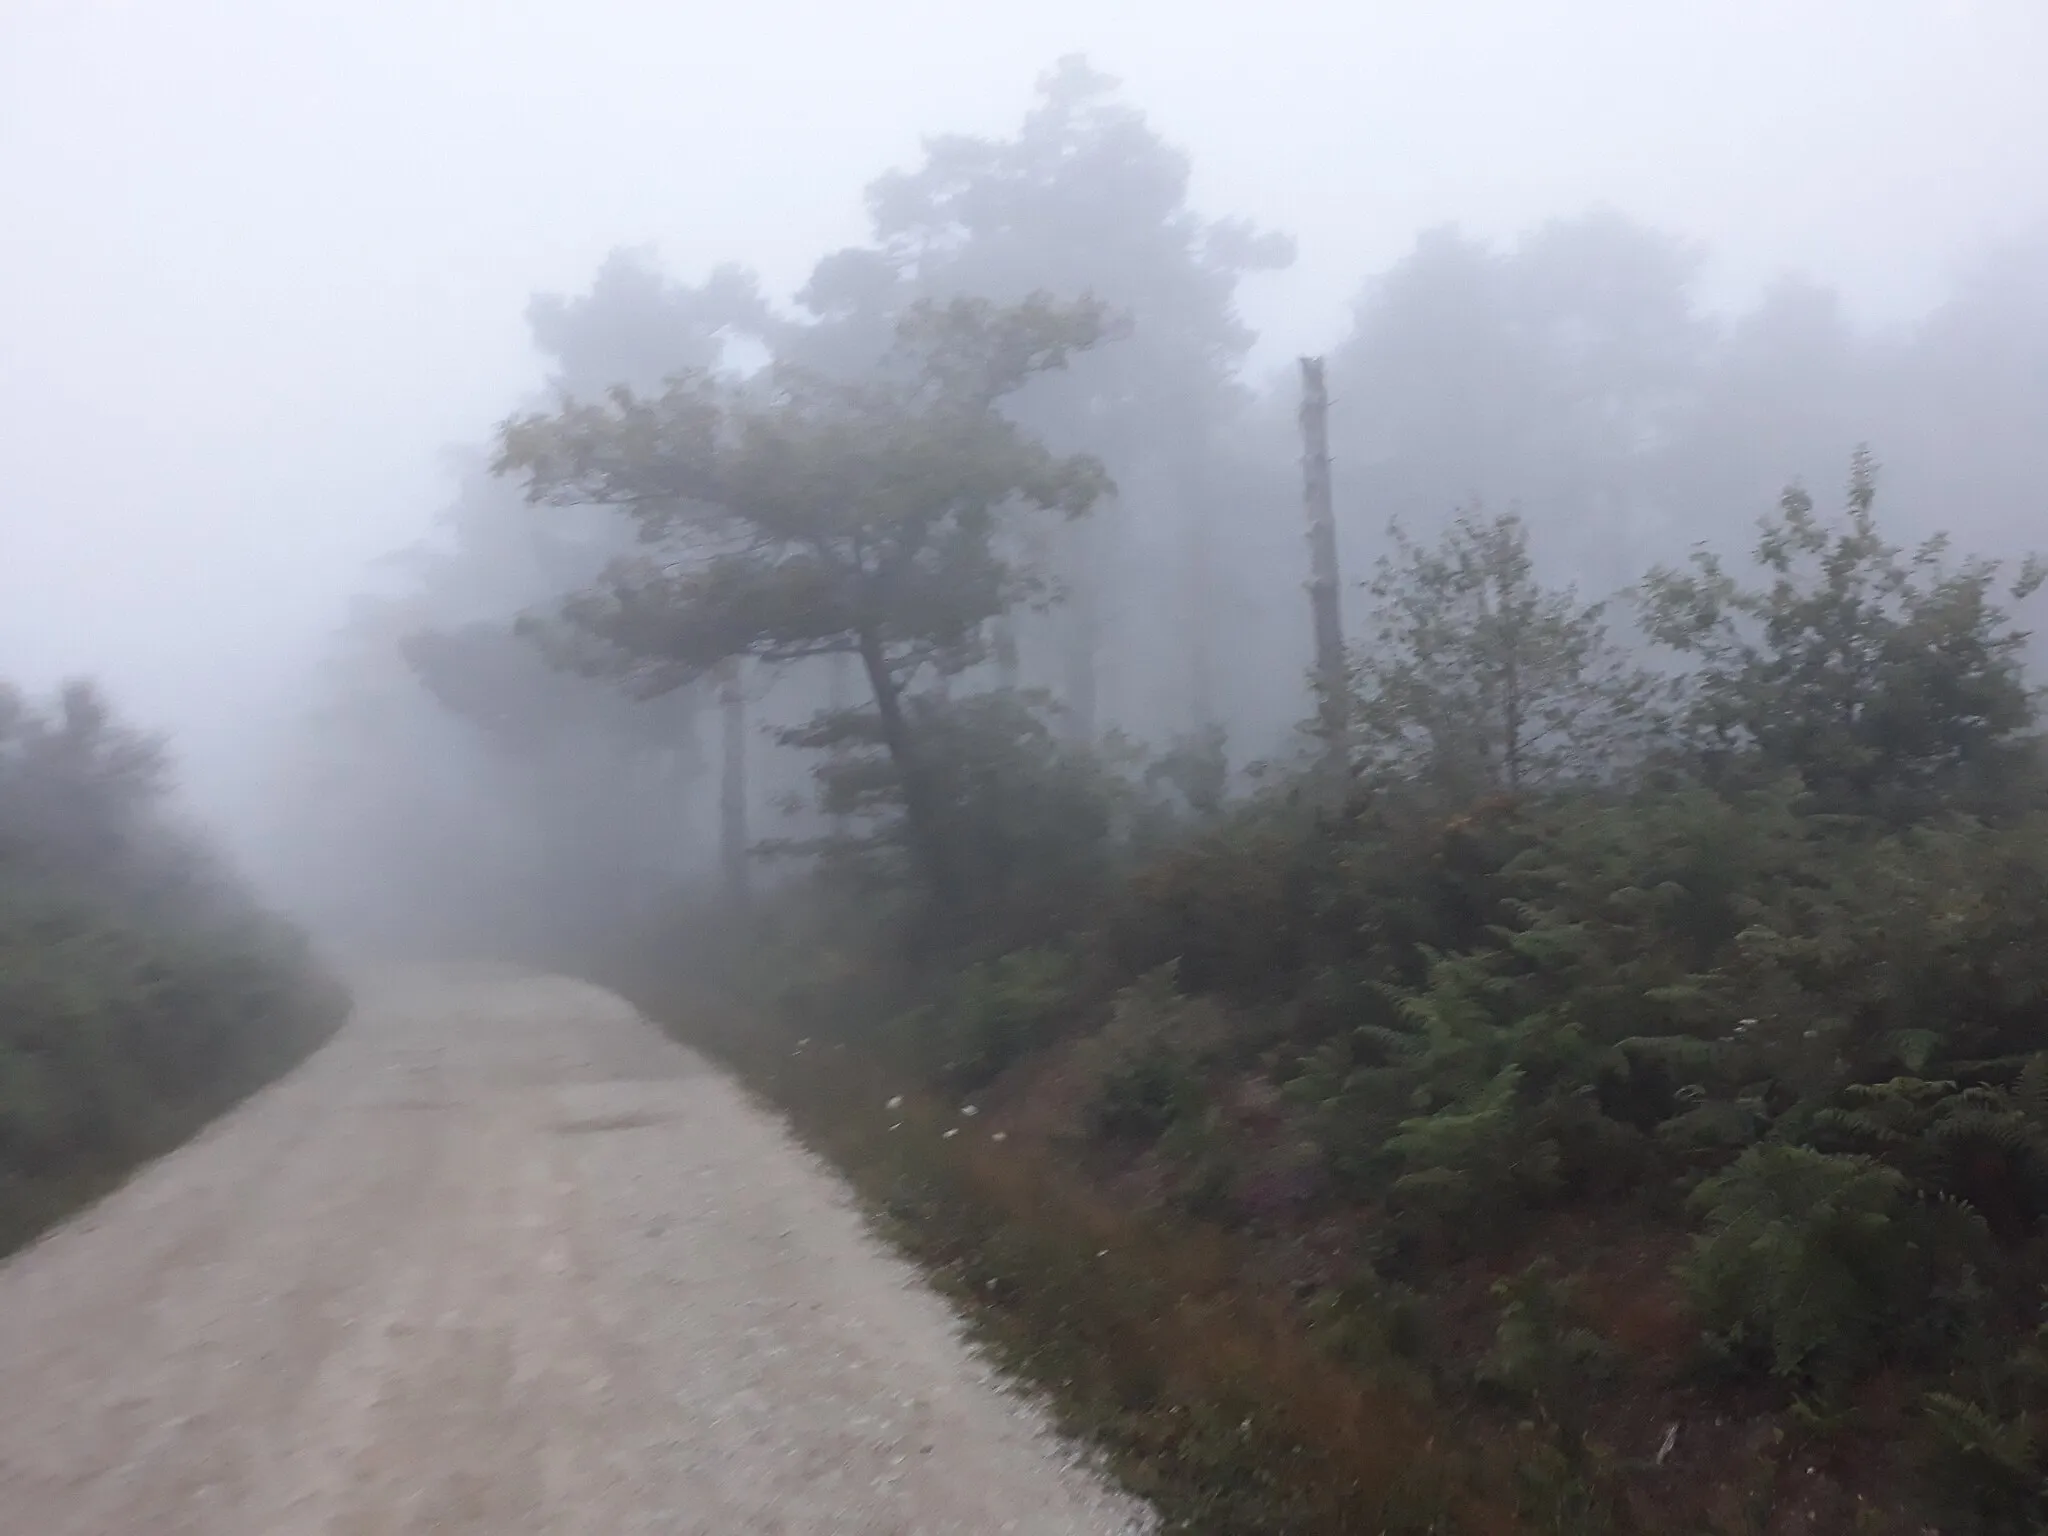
(969, 1111)
(895, 1103)
(950, 1134)
(1000, 1136)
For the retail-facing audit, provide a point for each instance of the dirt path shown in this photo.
(500, 1259)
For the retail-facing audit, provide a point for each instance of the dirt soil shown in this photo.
(502, 1259)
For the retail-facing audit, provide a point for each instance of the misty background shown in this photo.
(266, 275)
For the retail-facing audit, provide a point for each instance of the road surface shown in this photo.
(501, 1259)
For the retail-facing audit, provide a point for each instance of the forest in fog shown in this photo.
(1588, 964)
(1572, 376)
(1446, 934)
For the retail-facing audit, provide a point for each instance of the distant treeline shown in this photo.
(1575, 375)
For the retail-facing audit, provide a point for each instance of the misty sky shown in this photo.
(260, 260)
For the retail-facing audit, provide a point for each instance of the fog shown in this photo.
(266, 269)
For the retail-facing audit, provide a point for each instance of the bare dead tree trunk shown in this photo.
(732, 785)
(1333, 697)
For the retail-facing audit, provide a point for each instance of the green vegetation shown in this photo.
(824, 520)
(1657, 1112)
(141, 993)
(1616, 1101)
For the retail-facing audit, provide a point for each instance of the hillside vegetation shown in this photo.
(1574, 1066)
(1641, 1069)
(141, 989)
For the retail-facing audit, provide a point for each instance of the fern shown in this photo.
(2030, 1093)
(1542, 1355)
(1481, 1150)
(1989, 1467)
(1983, 1144)
(1812, 1263)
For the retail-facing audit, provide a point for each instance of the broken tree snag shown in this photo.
(1333, 697)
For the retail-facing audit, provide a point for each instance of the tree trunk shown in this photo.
(732, 785)
(920, 798)
(1333, 692)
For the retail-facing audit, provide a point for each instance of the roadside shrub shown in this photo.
(1149, 1064)
(141, 990)
(1230, 910)
(997, 1012)
(1819, 1266)
(1544, 1358)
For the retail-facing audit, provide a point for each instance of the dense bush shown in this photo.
(1820, 1266)
(994, 1015)
(1783, 951)
(141, 991)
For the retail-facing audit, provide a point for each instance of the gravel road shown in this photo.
(501, 1259)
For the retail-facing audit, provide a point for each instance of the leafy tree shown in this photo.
(1786, 391)
(1034, 818)
(637, 327)
(1086, 197)
(484, 674)
(820, 518)
(1480, 679)
(1892, 682)
(141, 989)
(78, 790)
(440, 757)
(1554, 373)
(1962, 397)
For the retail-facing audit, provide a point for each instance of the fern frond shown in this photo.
(1972, 1430)
(2030, 1093)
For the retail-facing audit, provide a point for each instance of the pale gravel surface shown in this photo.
(501, 1259)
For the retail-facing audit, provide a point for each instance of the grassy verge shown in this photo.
(1205, 1396)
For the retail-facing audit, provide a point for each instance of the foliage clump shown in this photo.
(141, 991)
(1725, 937)
(1737, 953)
(1818, 1265)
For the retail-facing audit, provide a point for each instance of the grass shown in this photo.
(1205, 1396)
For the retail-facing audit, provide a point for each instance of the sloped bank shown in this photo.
(142, 989)
(118, 1043)
(1204, 1395)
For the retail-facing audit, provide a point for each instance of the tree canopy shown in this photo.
(816, 517)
